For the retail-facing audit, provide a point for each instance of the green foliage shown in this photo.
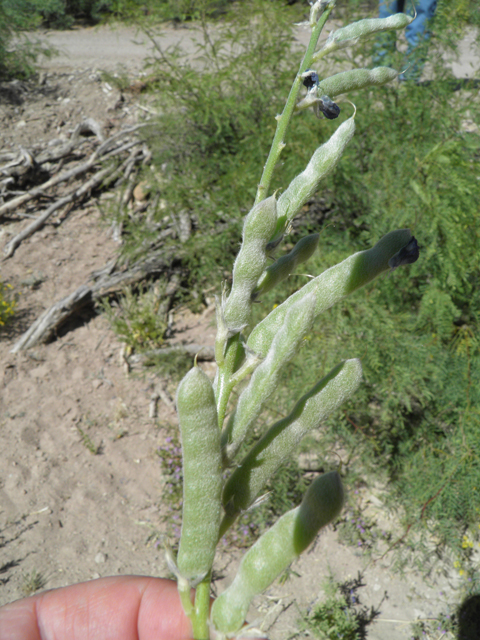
(341, 614)
(32, 582)
(216, 126)
(7, 304)
(136, 318)
(61, 14)
(17, 53)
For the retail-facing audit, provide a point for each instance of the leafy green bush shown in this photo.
(17, 53)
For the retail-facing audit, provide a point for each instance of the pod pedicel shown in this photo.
(276, 549)
(202, 475)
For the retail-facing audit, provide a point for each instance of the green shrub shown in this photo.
(17, 53)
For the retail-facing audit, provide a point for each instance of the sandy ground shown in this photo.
(67, 514)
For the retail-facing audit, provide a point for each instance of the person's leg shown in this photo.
(417, 35)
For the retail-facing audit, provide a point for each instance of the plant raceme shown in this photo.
(211, 441)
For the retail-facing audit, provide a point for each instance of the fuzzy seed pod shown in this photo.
(202, 475)
(250, 263)
(285, 265)
(278, 444)
(334, 284)
(321, 164)
(356, 79)
(276, 549)
(352, 33)
(298, 322)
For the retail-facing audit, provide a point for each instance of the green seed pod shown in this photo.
(334, 284)
(321, 164)
(250, 263)
(356, 79)
(352, 33)
(298, 322)
(202, 475)
(250, 477)
(285, 265)
(276, 549)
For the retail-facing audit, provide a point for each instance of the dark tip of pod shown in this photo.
(329, 108)
(310, 79)
(407, 255)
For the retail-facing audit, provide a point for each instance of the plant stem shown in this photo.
(202, 609)
(224, 385)
(284, 120)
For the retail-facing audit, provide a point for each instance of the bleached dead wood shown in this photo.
(76, 194)
(203, 353)
(45, 327)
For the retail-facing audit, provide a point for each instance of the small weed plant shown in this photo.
(7, 304)
(32, 582)
(341, 613)
(222, 480)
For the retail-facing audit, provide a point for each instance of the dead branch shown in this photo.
(203, 353)
(103, 175)
(103, 151)
(45, 327)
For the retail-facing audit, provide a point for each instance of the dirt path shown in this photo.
(70, 515)
(106, 47)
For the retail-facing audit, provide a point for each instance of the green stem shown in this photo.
(225, 371)
(284, 120)
(202, 610)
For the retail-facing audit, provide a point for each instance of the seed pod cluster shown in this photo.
(276, 549)
(356, 79)
(250, 263)
(334, 284)
(298, 322)
(285, 265)
(352, 33)
(202, 475)
(255, 470)
(321, 164)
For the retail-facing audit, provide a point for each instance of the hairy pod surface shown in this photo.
(298, 322)
(334, 284)
(346, 36)
(250, 263)
(202, 475)
(277, 548)
(321, 164)
(284, 266)
(280, 441)
(356, 79)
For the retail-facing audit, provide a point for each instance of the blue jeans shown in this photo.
(417, 35)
